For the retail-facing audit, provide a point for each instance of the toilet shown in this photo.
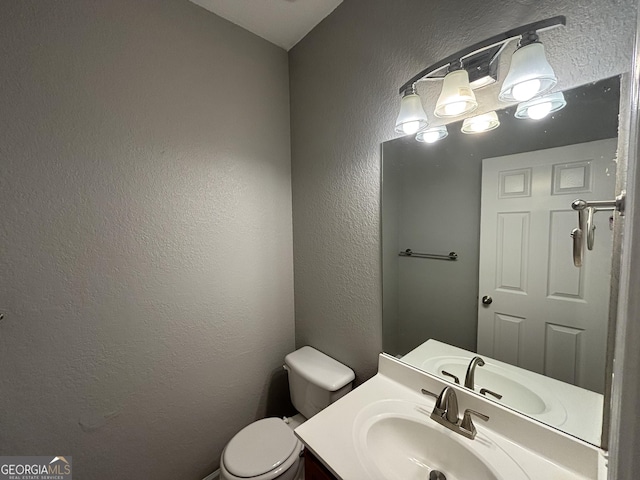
(268, 449)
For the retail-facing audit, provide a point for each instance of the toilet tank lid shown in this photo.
(320, 369)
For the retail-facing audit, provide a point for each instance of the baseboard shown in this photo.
(214, 476)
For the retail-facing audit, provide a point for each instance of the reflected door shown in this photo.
(540, 312)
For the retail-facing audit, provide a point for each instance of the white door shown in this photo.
(546, 315)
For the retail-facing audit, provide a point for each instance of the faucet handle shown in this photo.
(447, 374)
(427, 392)
(484, 391)
(468, 412)
(468, 425)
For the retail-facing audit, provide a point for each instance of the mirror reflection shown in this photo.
(479, 282)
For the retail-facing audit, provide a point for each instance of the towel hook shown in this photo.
(586, 210)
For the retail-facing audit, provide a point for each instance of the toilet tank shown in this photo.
(316, 380)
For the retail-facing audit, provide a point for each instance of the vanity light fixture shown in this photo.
(412, 117)
(530, 74)
(480, 123)
(475, 67)
(432, 135)
(540, 107)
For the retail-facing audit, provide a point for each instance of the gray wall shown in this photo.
(392, 181)
(344, 80)
(145, 242)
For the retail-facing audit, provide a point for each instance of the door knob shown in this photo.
(487, 300)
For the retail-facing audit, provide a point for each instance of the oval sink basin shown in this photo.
(396, 440)
(520, 393)
(514, 393)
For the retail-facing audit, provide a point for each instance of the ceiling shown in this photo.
(283, 22)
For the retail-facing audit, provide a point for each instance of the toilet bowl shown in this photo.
(264, 450)
(268, 449)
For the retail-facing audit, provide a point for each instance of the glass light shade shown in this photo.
(456, 97)
(432, 134)
(540, 107)
(412, 116)
(529, 75)
(480, 123)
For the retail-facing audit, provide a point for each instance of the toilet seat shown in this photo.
(262, 450)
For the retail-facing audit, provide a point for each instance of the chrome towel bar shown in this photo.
(410, 253)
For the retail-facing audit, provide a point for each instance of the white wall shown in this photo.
(146, 238)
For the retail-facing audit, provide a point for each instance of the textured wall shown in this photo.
(145, 241)
(344, 80)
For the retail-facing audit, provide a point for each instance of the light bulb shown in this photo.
(481, 123)
(433, 134)
(480, 126)
(536, 112)
(540, 107)
(455, 108)
(526, 90)
(410, 128)
(430, 137)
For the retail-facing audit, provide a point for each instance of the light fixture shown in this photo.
(412, 116)
(432, 135)
(530, 74)
(540, 107)
(456, 97)
(480, 123)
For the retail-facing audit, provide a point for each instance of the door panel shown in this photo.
(512, 251)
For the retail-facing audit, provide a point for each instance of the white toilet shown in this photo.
(268, 449)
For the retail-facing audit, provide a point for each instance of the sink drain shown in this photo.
(436, 475)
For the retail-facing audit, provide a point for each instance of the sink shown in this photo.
(518, 392)
(396, 440)
(515, 393)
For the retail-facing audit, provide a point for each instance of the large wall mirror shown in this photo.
(477, 258)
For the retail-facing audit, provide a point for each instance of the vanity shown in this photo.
(314, 469)
(384, 430)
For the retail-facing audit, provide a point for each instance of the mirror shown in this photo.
(477, 258)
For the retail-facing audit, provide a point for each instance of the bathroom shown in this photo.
(184, 203)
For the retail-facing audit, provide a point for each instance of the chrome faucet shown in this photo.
(447, 405)
(469, 379)
(445, 412)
